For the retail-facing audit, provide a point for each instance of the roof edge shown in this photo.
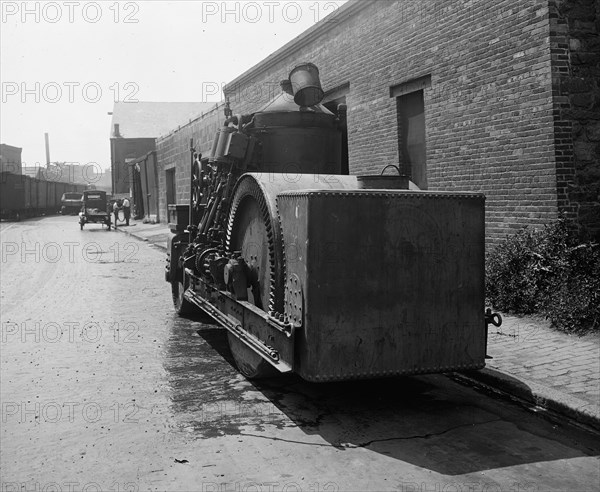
(11, 146)
(217, 106)
(334, 19)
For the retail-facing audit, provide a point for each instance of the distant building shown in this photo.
(91, 175)
(64, 172)
(10, 159)
(104, 181)
(31, 171)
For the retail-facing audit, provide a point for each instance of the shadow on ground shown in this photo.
(428, 421)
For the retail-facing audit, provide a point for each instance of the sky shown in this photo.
(63, 64)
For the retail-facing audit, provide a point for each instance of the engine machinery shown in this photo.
(330, 276)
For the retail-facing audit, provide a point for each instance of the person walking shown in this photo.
(116, 211)
(126, 210)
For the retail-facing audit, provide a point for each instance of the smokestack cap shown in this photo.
(306, 85)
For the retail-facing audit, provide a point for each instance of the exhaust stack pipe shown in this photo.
(47, 149)
(306, 85)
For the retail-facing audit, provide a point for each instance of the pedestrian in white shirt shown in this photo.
(126, 210)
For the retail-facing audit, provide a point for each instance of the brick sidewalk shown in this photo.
(567, 366)
(530, 359)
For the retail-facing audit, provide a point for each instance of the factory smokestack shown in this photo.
(47, 149)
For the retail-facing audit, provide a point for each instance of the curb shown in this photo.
(534, 394)
(141, 238)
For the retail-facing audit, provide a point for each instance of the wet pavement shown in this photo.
(103, 387)
(531, 361)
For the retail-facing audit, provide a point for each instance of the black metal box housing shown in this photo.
(178, 217)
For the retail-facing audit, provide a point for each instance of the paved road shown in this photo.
(104, 388)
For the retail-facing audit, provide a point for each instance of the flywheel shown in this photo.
(253, 230)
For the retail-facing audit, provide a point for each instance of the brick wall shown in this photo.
(575, 27)
(488, 109)
(490, 106)
(173, 152)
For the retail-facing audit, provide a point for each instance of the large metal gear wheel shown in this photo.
(253, 229)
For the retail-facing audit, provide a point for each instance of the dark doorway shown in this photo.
(333, 107)
(171, 191)
(138, 195)
(411, 137)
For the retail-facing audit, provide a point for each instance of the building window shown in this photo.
(411, 129)
(171, 191)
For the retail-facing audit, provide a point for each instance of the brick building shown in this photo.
(10, 159)
(499, 97)
(134, 129)
(173, 156)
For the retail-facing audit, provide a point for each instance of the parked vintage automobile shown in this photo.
(71, 203)
(94, 209)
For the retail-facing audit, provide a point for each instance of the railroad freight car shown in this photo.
(22, 196)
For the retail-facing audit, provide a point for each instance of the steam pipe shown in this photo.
(191, 211)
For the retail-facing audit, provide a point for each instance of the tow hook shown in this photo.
(491, 319)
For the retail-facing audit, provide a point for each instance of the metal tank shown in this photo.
(296, 139)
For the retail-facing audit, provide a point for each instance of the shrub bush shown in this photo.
(550, 272)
